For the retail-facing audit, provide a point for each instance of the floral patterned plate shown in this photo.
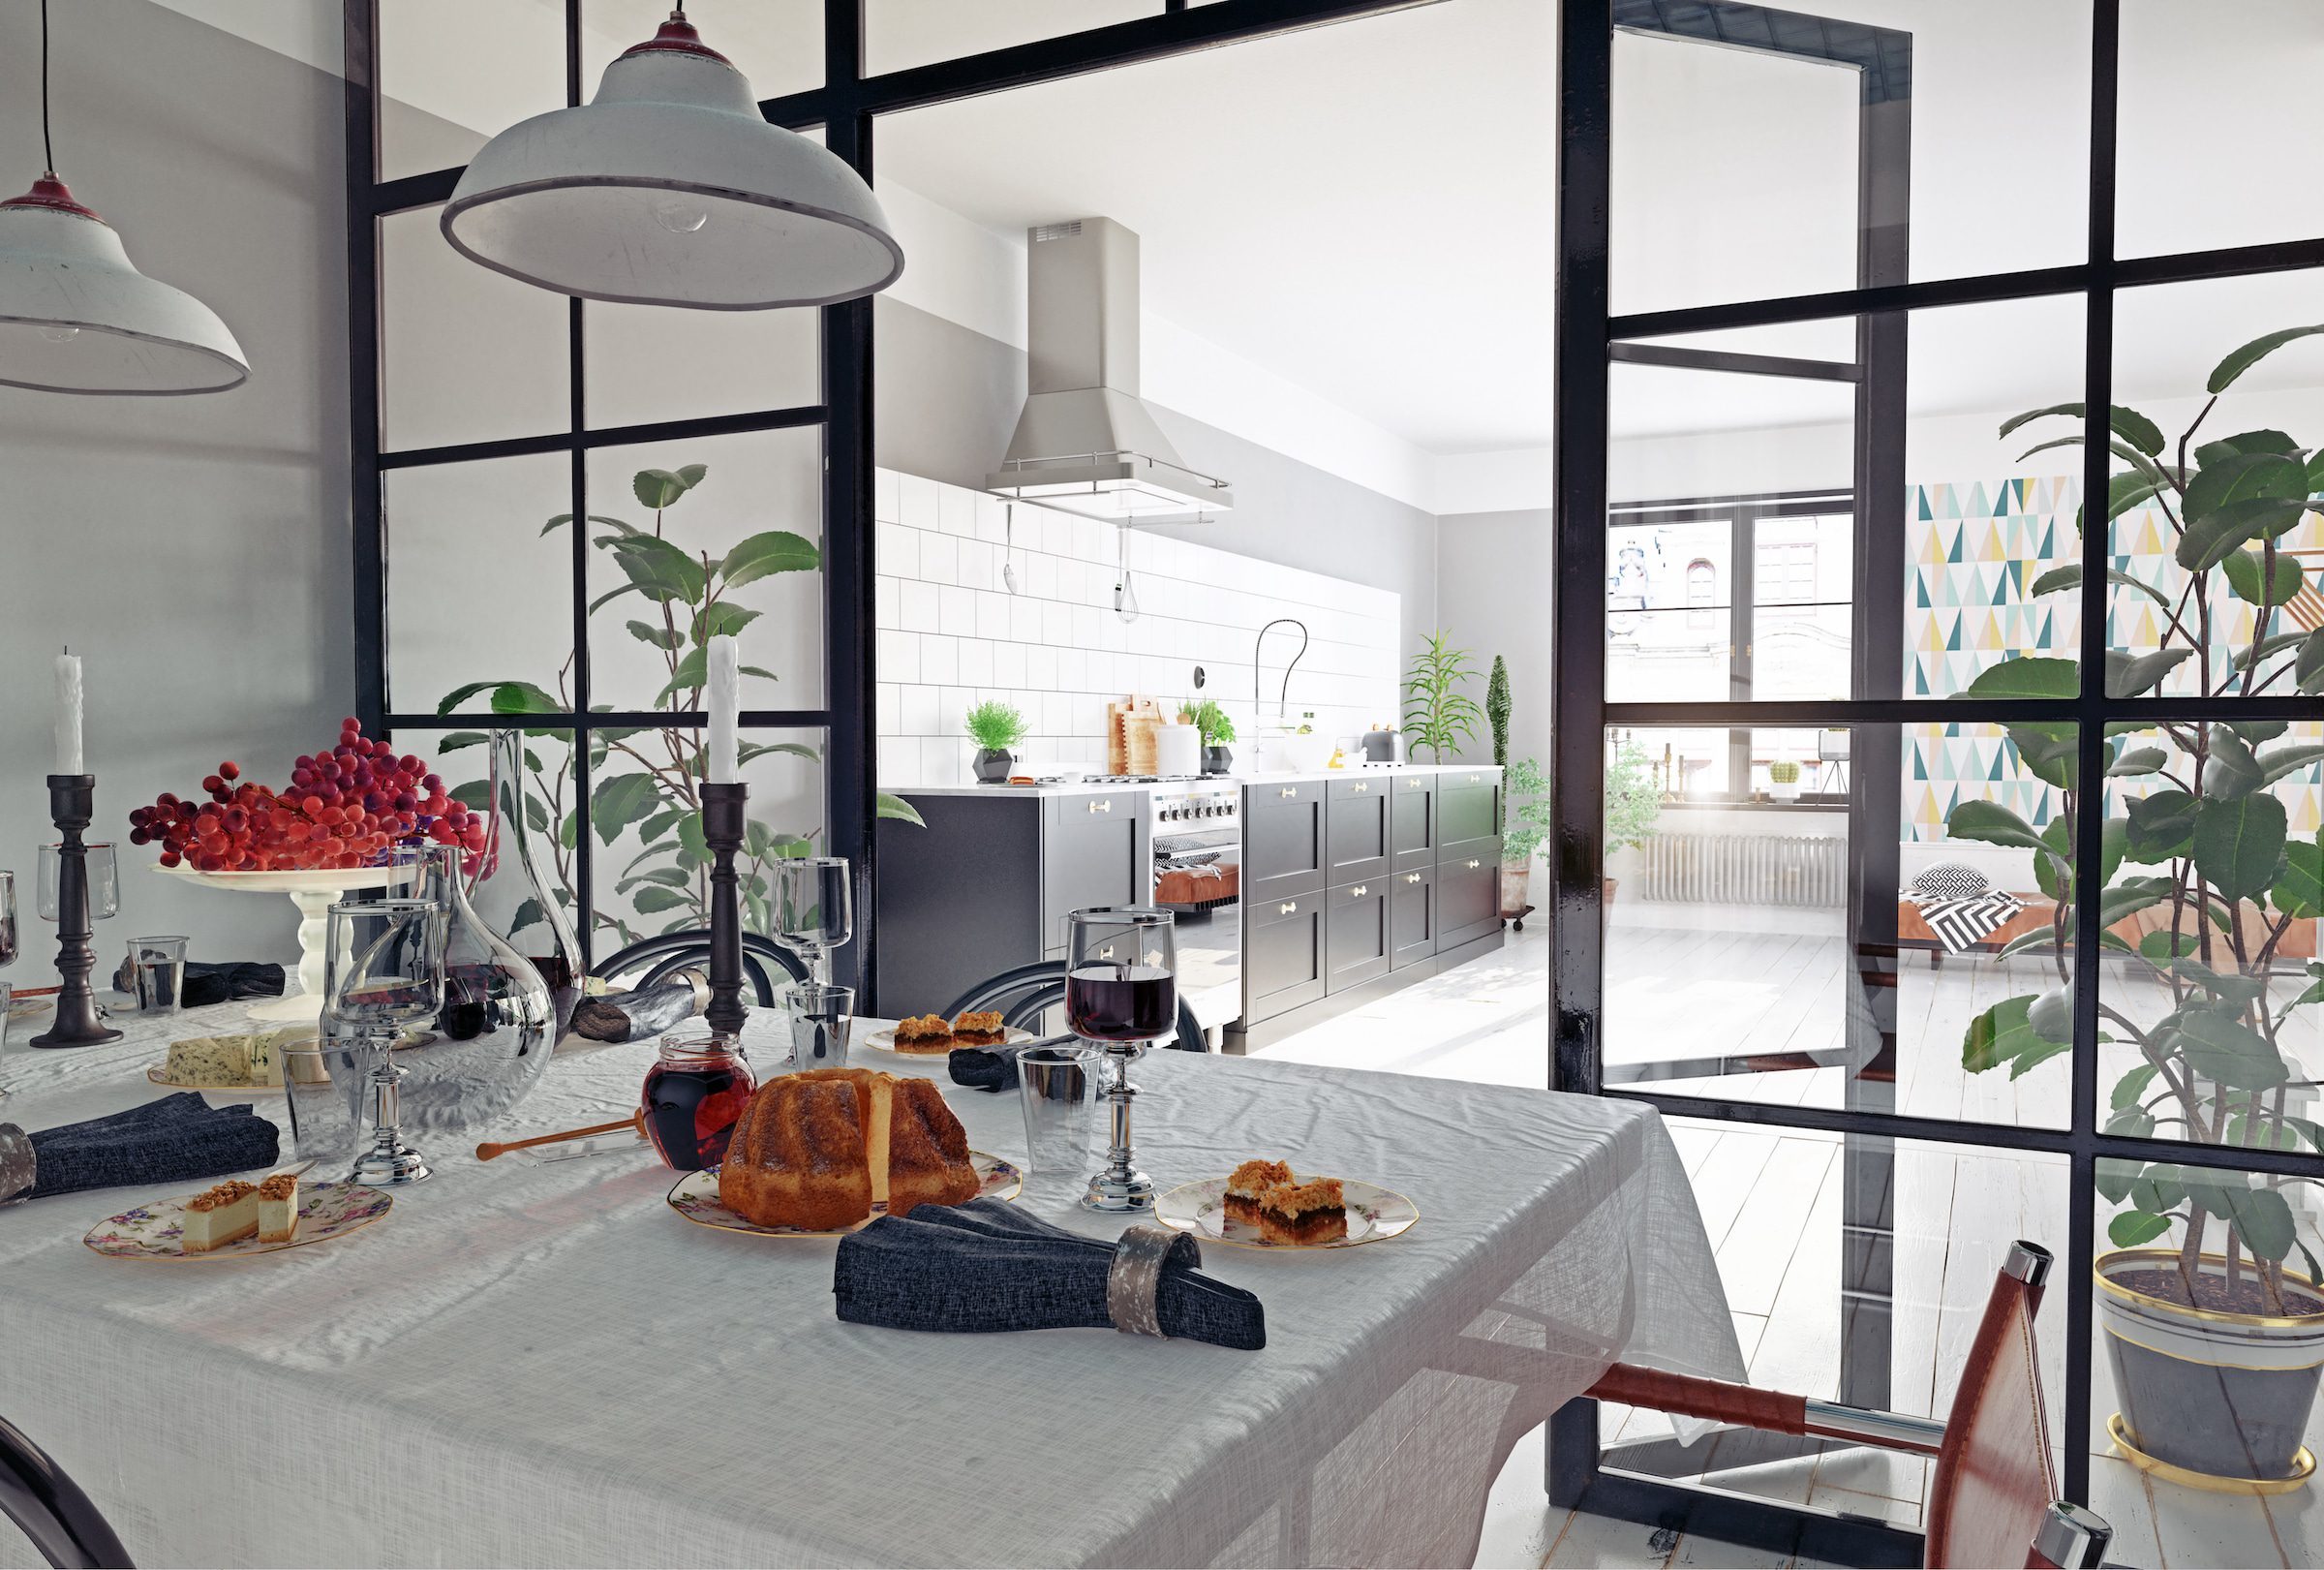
(326, 1211)
(696, 1198)
(1374, 1216)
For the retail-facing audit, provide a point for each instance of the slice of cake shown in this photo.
(798, 1156)
(979, 1028)
(874, 1102)
(278, 1208)
(924, 1033)
(209, 1060)
(1307, 1213)
(928, 1150)
(1249, 1184)
(220, 1215)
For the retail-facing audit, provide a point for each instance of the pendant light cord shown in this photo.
(47, 150)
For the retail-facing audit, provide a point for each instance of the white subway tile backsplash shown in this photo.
(949, 636)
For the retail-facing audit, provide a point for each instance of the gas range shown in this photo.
(1204, 803)
(1119, 779)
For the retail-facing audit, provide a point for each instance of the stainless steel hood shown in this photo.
(1085, 441)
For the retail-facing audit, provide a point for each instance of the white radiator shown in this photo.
(1747, 869)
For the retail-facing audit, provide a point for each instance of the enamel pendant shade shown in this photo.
(76, 316)
(670, 188)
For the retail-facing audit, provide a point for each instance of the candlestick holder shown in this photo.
(722, 818)
(71, 804)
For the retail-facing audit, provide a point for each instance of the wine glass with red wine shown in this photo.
(1121, 991)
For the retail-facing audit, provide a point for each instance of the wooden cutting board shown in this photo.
(1130, 725)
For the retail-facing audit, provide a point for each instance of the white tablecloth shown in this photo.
(543, 1365)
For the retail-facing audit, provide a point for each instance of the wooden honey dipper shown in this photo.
(636, 1120)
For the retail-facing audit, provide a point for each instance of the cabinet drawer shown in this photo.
(1468, 805)
(1284, 844)
(1356, 933)
(1283, 959)
(1410, 916)
(1089, 857)
(1411, 826)
(1468, 894)
(1358, 830)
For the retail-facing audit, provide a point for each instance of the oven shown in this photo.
(1195, 827)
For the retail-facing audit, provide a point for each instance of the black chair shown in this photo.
(1024, 993)
(50, 1508)
(672, 951)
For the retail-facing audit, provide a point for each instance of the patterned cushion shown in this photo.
(1949, 881)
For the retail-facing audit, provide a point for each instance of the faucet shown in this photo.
(1282, 694)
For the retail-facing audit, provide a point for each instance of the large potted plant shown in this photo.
(995, 727)
(1525, 798)
(2215, 1338)
(1437, 714)
(1633, 804)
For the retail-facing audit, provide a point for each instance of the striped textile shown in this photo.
(1960, 923)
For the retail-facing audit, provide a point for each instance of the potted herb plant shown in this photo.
(996, 727)
(1783, 779)
(1216, 728)
(2215, 1338)
(1437, 714)
(1634, 805)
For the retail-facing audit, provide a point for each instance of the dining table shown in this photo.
(542, 1362)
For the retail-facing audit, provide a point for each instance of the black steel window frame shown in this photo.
(1589, 337)
(846, 107)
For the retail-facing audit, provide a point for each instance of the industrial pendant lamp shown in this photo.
(670, 188)
(76, 316)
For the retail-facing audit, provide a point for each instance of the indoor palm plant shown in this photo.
(996, 727)
(1437, 714)
(2205, 898)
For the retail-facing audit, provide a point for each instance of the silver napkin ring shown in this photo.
(1135, 1278)
(19, 1164)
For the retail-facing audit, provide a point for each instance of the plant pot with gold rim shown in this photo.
(2213, 1394)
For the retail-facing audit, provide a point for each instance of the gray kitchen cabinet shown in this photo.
(1356, 933)
(1089, 857)
(1412, 823)
(1468, 893)
(1285, 846)
(1284, 960)
(1410, 916)
(1356, 828)
(1468, 808)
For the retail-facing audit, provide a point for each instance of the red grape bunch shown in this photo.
(344, 808)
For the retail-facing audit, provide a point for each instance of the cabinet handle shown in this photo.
(1412, 878)
(1474, 778)
(1291, 908)
(1102, 805)
(1361, 787)
(1472, 866)
(1288, 792)
(1358, 892)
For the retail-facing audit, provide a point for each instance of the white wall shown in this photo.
(952, 635)
(1495, 587)
(193, 550)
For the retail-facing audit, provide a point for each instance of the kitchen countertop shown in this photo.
(1083, 788)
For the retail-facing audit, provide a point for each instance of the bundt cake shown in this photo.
(835, 1133)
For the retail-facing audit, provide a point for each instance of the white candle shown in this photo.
(725, 711)
(68, 714)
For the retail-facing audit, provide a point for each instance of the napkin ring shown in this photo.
(19, 1164)
(1135, 1278)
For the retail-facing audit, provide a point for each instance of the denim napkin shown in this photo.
(177, 1139)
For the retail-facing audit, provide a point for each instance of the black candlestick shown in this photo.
(722, 831)
(71, 801)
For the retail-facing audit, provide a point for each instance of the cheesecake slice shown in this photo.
(220, 1215)
(278, 1208)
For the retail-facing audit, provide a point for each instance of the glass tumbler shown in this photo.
(8, 918)
(105, 879)
(325, 1084)
(821, 1018)
(1058, 1083)
(157, 967)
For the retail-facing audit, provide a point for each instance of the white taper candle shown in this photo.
(725, 711)
(68, 714)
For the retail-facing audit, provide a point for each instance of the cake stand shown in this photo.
(313, 891)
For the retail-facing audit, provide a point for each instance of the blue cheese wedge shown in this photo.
(209, 1060)
(267, 1056)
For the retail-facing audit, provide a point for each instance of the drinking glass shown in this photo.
(814, 909)
(8, 918)
(821, 1018)
(383, 969)
(157, 969)
(325, 1082)
(1058, 1082)
(1121, 991)
(105, 879)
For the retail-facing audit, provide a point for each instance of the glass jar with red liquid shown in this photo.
(693, 1098)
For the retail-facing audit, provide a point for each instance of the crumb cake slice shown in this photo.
(1309, 1212)
(979, 1028)
(220, 1215)
(924, 1033)
(1250, 1184)
(278, 1208)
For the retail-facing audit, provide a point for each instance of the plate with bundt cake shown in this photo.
(928, 1035)
(821, 1153)
(1264, 1204)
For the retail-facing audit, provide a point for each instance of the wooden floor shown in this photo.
(1771, 1203)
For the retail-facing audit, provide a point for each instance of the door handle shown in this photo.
(1289, 792)
(1103, 804)
(1288, 909)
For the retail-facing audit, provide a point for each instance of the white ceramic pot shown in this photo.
(1177, 749)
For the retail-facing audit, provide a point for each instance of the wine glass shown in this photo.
(814, 910)
(383, 965)
(1121, 991)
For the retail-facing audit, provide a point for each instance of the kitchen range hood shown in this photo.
(1087, 442)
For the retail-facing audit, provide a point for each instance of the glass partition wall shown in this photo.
(1869, 687)
(486, 416)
